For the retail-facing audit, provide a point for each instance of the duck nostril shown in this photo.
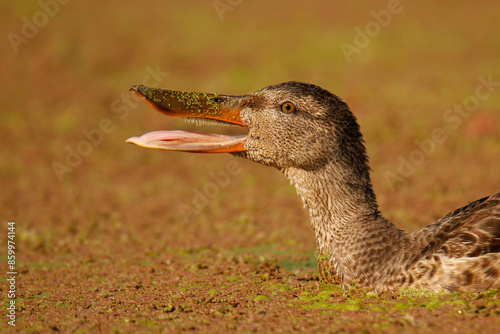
(218, 99)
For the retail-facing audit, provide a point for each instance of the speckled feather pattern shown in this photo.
(321, 150)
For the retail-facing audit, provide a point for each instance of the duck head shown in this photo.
(292, 124)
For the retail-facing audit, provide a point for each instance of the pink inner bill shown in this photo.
(185, 141)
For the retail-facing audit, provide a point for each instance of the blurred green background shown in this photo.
(70, 72)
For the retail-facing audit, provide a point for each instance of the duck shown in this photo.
(314, 139)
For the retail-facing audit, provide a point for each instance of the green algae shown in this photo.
(335, 298)
(307, 261)
(200, 104)
(324, 256)
(325, 300)
(233, 278)
(261, 297)
(280, 287)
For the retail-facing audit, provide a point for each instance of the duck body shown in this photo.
(314, 139)
(358, 247)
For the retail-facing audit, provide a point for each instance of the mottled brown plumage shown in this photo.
(318, 145)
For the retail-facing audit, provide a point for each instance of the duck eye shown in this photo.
(288, 107)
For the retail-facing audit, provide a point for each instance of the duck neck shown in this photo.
(342, 206)
(335, 196)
